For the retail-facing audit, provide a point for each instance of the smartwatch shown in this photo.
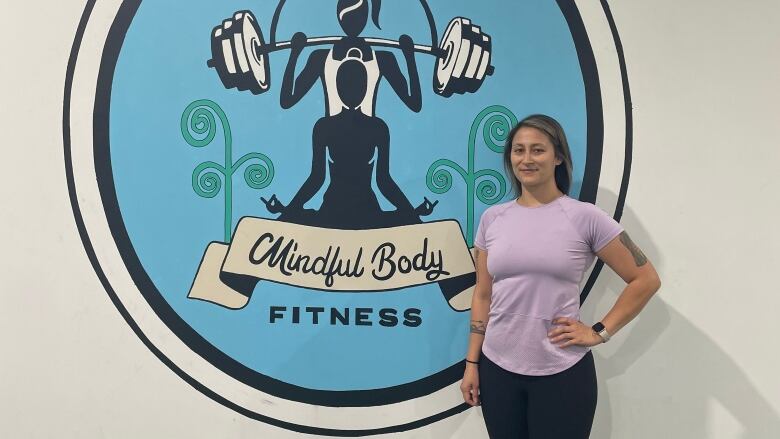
(602, 332)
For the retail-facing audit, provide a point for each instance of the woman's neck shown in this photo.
(537, 196)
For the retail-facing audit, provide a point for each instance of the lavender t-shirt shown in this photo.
(537, 257)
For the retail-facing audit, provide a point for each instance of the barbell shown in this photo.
(239, 54)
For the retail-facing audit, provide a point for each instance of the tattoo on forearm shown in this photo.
(639, 258)
(478, 327)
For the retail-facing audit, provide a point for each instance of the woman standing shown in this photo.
(529, 362)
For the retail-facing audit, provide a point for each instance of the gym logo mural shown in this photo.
(282, 206)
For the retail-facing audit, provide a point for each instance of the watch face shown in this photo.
(598, 327)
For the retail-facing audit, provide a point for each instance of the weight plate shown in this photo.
(238, 43)
(227, 47)
(472, 82)
(451, 44)
(462, 58)
(256, 60)
(485, 62)
(221, 57)
(242, 78)
(473, 61)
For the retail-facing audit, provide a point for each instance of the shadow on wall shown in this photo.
(661, 376)
(658, 378)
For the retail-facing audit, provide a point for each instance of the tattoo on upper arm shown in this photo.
(478, 326)
(639, 258)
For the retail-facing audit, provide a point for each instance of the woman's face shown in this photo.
(533, 158)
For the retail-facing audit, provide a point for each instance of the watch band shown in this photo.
(602, 332)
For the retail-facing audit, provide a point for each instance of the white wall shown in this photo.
(700, 362)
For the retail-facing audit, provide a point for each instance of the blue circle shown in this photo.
(161, 68)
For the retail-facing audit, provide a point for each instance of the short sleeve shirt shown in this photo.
(537, 257)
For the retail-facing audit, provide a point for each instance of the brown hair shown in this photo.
(553, 130)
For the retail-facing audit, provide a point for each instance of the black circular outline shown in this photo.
(590, 184)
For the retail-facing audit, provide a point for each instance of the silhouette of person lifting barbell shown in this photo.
(240, 56)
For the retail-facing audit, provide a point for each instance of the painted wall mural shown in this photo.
(283, 208)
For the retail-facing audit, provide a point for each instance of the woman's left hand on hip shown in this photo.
(570, 332)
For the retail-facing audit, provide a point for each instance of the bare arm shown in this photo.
(480, 306)
(410, 94)
(289, 95)
(642, 281)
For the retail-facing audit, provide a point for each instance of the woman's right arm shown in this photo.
(293, 89)
(480, 306)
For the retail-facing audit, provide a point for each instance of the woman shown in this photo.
(529, 362)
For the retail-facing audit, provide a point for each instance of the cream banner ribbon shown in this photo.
(336, 260)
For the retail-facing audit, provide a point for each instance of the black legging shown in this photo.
(559, 406)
